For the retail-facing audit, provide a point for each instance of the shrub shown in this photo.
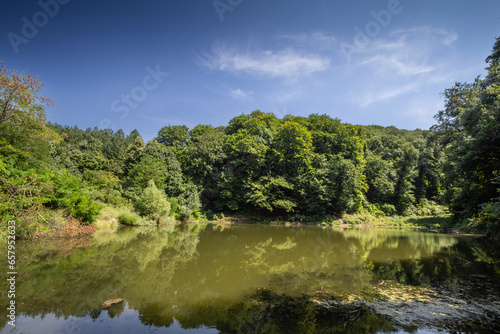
(388, 209)
(128, 218)
(153, 204)
(183, 213)
(84, 208)
(375, 210)
(174, 204)
(352, 221)
(188, 203)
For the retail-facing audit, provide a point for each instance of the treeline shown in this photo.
(313, 165)
(294, 167)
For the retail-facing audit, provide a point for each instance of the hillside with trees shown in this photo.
(295, 168)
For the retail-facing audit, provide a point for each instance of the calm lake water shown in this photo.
(206, 278)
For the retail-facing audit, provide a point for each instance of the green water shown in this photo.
(208, 278)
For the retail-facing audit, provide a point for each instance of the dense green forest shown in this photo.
(294, 168)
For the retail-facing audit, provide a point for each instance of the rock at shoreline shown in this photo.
(110, 302)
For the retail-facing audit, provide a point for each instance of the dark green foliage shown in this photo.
(380, 178)
(334, 185)
(204, 158)
(312, 165)
(270, 194)
(165, 160)
(403, 168)
(175, 136)
(293, 149)
(472, 117)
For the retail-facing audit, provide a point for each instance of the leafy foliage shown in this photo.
(84, 208)
(128, 218)
(29, 181)
(153, 204)
(472, 117)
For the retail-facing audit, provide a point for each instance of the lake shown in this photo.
(216, 278)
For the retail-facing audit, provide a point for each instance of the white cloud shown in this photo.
(288, 63)
(407, 52)
(380, 95)
(433, 35)
(396, 64)
(316, 40)
(407, 61)
(239, 94)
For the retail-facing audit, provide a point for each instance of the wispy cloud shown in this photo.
(405, 61)
(407, 52)
(433, 35)
(287, 63)
(397, 64)
(380, 95)
(317, 40)
(239, 94)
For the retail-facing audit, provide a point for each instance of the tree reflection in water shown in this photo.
(252, 278)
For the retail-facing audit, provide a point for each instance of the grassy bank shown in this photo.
(443, 222)
(56, 223)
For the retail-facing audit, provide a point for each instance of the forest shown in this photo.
(294, 168)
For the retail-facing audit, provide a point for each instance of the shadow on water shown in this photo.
(257, 279)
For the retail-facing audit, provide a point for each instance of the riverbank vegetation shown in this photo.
(294, 168)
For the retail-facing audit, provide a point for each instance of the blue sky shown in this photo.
(145, 64)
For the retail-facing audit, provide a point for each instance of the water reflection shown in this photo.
(228, 277)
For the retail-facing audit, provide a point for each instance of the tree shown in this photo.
(380, 178)
(270, 193)
(133, 153)
(176, 136)
(405, 173)
(23, 126)
(189, 202)
(293, 148)
(333, 185)
(204, 159)
(248, 150)
(472, 114)
(165, 160)
(148, 168)
(29, 183)
(458, 99)
(153, 204)
(332, 137)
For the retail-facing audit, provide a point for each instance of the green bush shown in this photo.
(188, 203)
(429, 208)
(84, 208)
(352, 221)
(183, 213)
(174, 204)
(375, 210)
(129, 218)
(388, 209)
(153, 204)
